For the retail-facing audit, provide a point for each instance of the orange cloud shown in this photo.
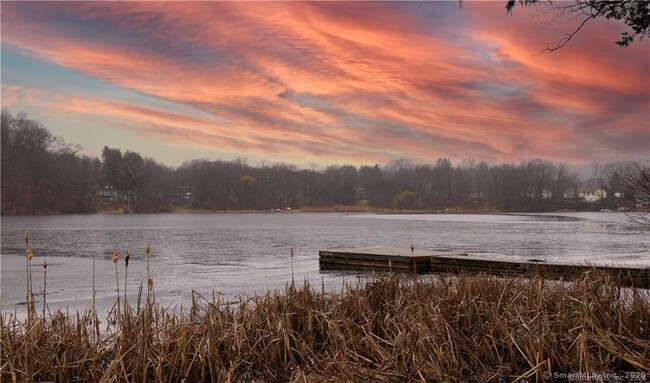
(360, 82)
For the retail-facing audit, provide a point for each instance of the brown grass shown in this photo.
(467, 328)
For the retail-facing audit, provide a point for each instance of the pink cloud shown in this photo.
(357, 82)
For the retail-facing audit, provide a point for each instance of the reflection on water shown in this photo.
(248, 253)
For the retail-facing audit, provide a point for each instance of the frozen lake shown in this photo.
(248, 253)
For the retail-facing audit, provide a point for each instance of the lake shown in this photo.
(248, 253)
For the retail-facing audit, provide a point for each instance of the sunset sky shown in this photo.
(313, 83)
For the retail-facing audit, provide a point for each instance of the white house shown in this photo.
(595, 196)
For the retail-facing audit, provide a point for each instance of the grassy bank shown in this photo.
(468, 328)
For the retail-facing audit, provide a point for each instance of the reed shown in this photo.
(94, 288)
(29, 299)
(94, 308)
(465, 328)
(126, 277)
(44, 286)
(147, 253)
(115, 258)
(291, 255)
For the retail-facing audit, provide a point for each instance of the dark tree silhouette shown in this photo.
(635, 14)
(41, 174)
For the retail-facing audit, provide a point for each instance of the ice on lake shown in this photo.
(248, 253)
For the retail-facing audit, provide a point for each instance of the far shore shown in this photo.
(319, 209)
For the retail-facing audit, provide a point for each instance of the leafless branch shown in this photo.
(638, 184)
(565, 40)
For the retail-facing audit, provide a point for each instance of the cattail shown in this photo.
(292, 280)
(147, 251)
(126, 277)
(116, 257)
(30, 255)
(28, 267)
(28, 258)
(94, 295)
(44, 286)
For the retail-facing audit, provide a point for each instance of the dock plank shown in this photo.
(437, 261)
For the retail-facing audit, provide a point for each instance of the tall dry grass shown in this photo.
(443, 329)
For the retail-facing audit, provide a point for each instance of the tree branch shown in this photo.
(565, 40)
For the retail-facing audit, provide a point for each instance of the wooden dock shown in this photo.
(374, 258)
(426, 261)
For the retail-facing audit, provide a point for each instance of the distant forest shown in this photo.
(43, 174)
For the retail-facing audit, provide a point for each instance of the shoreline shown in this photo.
(323, 209)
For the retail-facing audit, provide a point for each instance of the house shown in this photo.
(174, 198)
(109, 194)
(573, 197)
(594, 195)
(589, 196)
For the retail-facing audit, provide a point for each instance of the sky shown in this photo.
(319, 83)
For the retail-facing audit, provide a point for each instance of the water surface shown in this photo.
(249, 253)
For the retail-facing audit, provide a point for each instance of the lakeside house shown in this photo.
(109, 194)
(595, 195)
(574, 197)
(588, 196)
(179, 199)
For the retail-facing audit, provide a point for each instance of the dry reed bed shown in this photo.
(457, 329)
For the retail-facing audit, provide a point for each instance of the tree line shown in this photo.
(43, 174)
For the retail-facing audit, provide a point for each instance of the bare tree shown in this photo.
(638, 194)
(633, 13)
